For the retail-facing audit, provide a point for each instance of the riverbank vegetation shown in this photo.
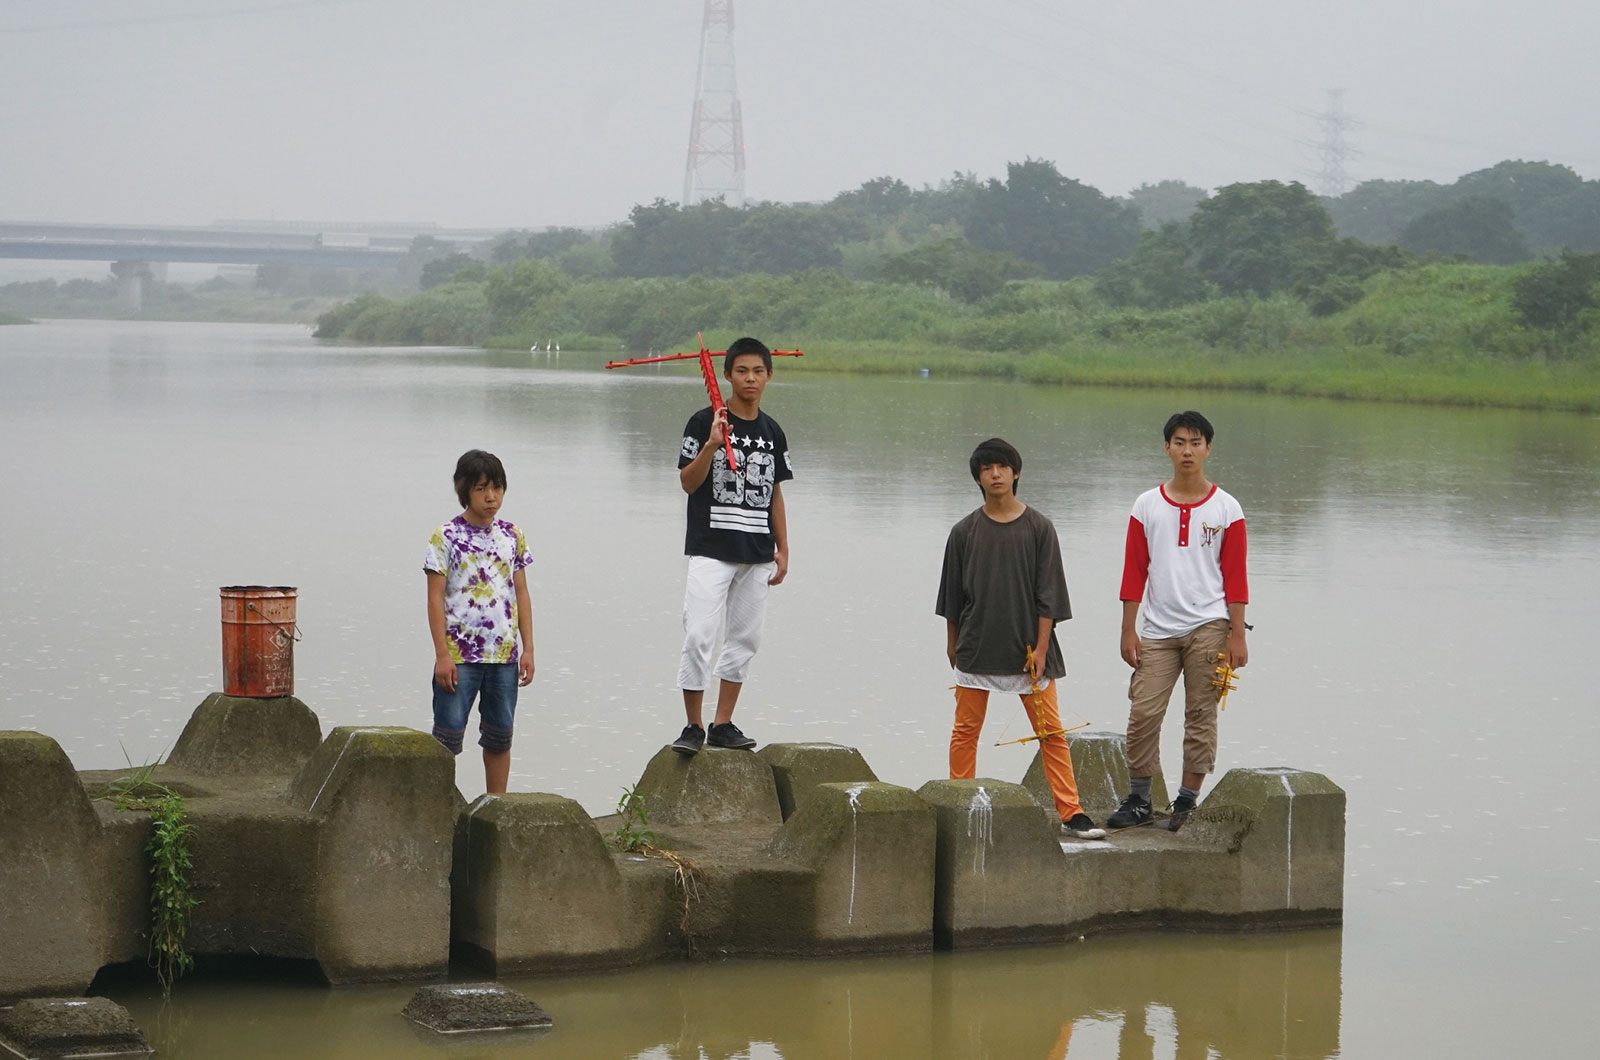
(1254, 288)
(13, 318)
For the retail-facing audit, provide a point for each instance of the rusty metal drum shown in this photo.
(258, 635)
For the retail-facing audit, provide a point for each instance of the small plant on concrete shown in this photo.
(170, 900)
(633, 832)
(170, 865)
(634, 836)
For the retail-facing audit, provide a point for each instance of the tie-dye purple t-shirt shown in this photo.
(480, 600)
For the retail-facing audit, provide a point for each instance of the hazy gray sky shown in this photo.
(510, 113)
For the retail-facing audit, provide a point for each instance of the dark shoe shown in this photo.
(1082, 826)
(689, 743)
(728, 735)
(1133, 811)
(1182, 807)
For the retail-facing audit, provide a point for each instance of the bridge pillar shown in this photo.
(130, 285)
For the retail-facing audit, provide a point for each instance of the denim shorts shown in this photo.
(494, 686)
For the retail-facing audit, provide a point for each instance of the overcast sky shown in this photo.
(521, 113)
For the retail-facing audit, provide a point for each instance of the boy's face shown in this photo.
(484, 502)
(1188, 450)
(749, 376)
(998, 480)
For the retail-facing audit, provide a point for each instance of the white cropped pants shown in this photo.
(718, 594)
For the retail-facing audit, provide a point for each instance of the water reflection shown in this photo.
(1130, 998)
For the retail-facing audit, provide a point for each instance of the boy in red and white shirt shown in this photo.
(1185, 558)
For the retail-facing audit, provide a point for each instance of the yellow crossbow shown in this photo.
(1224, 681)
(1033, 715)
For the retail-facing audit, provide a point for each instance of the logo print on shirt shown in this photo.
(691, 447)
(1211, 533)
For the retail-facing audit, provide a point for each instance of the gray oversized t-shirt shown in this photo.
(999, 579)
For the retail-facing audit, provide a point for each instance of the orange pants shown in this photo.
(971, 706)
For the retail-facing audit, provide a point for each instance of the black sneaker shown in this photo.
(689, 743)
(728, 735)
(1182, 807)
(1082, 826)
(1133, 811)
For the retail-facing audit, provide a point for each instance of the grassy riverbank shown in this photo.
(1438, 333)
(12, 318)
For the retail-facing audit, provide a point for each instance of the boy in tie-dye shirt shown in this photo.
(477, 607)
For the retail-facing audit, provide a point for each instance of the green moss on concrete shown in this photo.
(234, 734)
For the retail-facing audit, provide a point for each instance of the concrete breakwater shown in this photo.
(356, 852)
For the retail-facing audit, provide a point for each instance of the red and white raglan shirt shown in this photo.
(1186, 561)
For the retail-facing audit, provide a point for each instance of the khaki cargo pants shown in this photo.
(1194, 655)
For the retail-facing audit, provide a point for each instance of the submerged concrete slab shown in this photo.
(871, 846)
(1100, 766)
(716, 786)
(233, 734)
(536, 889)
(60, 1027)
(797, 768)
(999, 873)
(474, 1008)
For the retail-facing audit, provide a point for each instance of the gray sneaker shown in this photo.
(1182, 808)
(690, 742)
(728, 735)
(1133, 811)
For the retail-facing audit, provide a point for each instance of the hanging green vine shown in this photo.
(171, 867)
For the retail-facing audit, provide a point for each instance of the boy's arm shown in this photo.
(1041, 647)
(519, 581)
(692, 474)
(1238, 654)
(780, 535)
(1130, 635)
(444, 668)
(1135, 569)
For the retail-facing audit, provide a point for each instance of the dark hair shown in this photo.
(474, 466)
(742, 346)
(995, 451)
(1192, 420)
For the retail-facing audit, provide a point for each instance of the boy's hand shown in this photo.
(1238, 654)
(444, 674)
(525, 669)
(780, 561)
(719, 430)
(1036, 662)
(1130, 648)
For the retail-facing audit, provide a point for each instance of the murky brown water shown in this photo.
(1424, 585)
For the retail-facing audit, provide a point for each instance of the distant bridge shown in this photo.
(138, 251)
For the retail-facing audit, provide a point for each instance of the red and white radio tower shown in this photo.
(715, 169)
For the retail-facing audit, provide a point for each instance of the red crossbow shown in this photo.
(713, 391)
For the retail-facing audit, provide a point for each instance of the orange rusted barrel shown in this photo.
(258, 635)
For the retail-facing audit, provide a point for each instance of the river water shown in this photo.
(1424, 590)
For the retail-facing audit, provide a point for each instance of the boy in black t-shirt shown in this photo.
(736, 539)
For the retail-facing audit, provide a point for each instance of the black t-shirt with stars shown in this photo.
(730, 514)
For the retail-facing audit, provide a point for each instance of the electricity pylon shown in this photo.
(715, 167)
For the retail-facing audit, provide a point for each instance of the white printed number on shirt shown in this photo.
(751, 485)
(691, 447)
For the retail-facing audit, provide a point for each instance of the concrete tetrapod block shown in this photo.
(234, 734)
(999, 874)
(57, 1027)
(1286, 830)
(797, 768)
(474, 1007)
(52, 921)
(872, 848)
(716, 786)
(537, 890)
(384, 802)
(1100, 766)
